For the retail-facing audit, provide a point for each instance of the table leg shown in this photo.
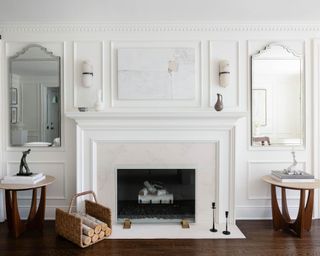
(33, 208)
(285, 212)
(279, 221)
(15, 224)
(8, 208)
(309, 209)
(298, 225)
(36, 218)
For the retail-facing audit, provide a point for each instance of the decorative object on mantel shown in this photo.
(87, 74)
(213, 229)
(219, 104)
(224, 73)
(78, 227)
(24, 165)
(226, 232)
(99, 106)
(83, 109)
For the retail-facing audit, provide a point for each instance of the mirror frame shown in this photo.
(10, 60)
(267, 48)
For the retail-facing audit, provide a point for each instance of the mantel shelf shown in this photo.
(91, 115)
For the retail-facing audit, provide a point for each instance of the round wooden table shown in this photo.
(282, 220)
(36, 217)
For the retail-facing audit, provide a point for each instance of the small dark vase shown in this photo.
(219, 104)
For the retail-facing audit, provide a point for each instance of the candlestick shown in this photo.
(213, 229)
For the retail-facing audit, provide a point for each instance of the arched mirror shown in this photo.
(34, 98)
(277, 97)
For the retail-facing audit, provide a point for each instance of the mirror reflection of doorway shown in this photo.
(52, 117)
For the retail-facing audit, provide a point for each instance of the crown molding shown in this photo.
(11, 27)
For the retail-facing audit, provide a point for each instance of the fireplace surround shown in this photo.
(98, 130)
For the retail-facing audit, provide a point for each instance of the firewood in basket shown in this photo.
(101, 235)
(95, 238)
(104, 225)
(87, 230)
(86, 240)
(95, 226)
(108, 232)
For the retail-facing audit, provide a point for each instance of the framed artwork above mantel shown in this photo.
(155, 74)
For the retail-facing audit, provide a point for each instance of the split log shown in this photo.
(95, 238)
(87, 230)
(108, 232)
(104, 225)
(91, 224)
(86, 240)
(101, 234)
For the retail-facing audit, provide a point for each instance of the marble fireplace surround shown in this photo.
(96, 131)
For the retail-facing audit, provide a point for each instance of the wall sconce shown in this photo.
(224, 73)
(87, 74)
(173, 65)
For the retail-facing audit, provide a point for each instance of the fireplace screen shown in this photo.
(156, 195)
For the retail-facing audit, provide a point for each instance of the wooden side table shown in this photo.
(282, 219)
(36, 217)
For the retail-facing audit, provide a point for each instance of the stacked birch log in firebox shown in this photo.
(93, 229)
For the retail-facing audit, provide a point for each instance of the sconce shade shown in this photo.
(224, 73)
(87, 74)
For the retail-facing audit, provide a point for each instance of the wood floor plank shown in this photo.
(261, 240)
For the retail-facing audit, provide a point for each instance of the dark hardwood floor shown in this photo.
(261, 240)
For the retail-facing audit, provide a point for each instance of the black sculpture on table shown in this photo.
(24, 165)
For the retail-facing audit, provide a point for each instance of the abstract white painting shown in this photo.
(156, 73)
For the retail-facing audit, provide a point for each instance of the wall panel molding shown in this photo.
(20, 27)
(63, 176)
(252, 195)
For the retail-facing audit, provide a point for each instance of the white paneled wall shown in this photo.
(99, 43)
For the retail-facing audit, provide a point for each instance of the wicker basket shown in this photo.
(69, 226)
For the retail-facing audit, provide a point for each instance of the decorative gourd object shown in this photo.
(219, 104)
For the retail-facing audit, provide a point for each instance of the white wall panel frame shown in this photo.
(254, 196)
(77, 85)
(32, 163)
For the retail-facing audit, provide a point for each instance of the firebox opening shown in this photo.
(156, 195)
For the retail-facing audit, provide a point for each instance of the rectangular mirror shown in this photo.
(34, 98)
(276, 97)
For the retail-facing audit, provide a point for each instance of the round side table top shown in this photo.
(293, 185)
(48, 180)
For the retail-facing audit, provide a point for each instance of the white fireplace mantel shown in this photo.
(178, 127)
